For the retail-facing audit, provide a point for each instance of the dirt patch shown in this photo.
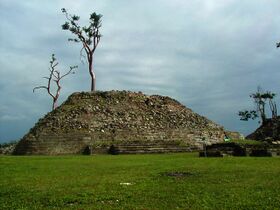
(179, 174)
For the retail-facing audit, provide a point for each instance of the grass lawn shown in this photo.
(139, 182)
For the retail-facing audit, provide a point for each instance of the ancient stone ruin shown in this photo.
(268, 131)
(120, 122)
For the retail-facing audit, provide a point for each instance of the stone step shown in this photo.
(153, 143)
(151, 148)
(147, 146)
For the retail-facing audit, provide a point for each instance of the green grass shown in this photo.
(246, 142)
(93, 182)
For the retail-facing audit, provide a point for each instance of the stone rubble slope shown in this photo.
(104, 118)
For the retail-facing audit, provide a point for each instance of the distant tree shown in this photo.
(272, 104)
(89, 36)
(54, 77)
(246, 115)
(260, 99)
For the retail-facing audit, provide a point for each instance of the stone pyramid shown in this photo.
(98, 120)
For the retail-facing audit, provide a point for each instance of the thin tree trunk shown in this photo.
(263, 118)
(92, 74)
(273, 109)
(262, 112)
(54, 104)
(55, 99)
(93, 81)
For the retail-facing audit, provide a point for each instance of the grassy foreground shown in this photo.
(139, 182)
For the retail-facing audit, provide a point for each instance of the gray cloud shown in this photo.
(210, 55)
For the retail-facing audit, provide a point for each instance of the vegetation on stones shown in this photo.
(7, 148)
(89, 37)
(6, 144)
(246, 142)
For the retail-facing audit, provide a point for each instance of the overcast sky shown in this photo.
(209, 55)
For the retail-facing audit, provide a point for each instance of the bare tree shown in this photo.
(54, 77)
(89, 36)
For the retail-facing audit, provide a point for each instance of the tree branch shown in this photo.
(39, 87)
(69, 72)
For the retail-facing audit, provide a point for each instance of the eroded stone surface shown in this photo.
(101, 119)
(269, 131)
